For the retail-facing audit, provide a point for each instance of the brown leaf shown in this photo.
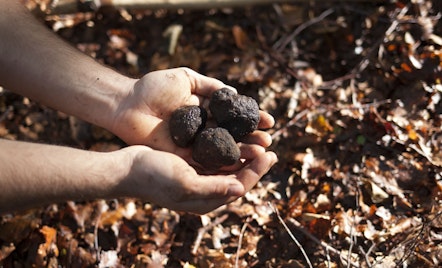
(241, 39)
(50, 236)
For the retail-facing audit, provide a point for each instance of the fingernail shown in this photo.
(236, 190)
(274, 158)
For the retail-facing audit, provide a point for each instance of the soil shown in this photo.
(355, 89)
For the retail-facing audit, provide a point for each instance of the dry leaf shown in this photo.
(240, 36)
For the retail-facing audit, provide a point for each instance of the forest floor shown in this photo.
(355, 88)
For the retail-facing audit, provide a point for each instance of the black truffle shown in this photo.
(185, 123)
(214, 148)
(239, 114)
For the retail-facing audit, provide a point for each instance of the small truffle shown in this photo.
(214, 148)
(239, 114)
(185, 123)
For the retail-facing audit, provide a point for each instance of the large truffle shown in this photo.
(185, 123)
(214, 148)
(239, 114)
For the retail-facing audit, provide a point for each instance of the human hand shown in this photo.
(167, 180)
(143, 115)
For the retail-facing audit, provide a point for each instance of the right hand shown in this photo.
(167, 180)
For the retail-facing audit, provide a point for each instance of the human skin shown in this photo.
(35, 63)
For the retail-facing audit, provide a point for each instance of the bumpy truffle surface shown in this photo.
(239, 114)
(185, 123)
(214, 148)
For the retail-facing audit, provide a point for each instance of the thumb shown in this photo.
(217, 186)
(211, 193)
(204, 85)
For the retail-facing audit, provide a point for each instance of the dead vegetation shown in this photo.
(355, 88)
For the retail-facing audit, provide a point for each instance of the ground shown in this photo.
(355, 88)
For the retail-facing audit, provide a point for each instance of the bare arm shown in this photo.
(36, 63)
(41, 174)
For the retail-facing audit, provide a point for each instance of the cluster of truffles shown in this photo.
(213, 147)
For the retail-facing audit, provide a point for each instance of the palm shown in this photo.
(144, 115)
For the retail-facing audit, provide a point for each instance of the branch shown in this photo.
(204, 229)
(73, 6)
(275, 210)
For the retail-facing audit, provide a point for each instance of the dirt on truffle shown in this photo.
(237, 113)
(185, 123)
(214, 148)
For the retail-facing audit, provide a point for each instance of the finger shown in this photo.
(250, 151)
(195, 100)
(203, 206)
(216, 186)
(211, 192)
(201, 84)
(258, 137)
(266, 120)
(224, 170)
(215, 191)
(253, 172)
(259, 163)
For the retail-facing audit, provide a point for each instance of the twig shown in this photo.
(327, 256)
(330, 83)
(241, 236)
(204, 229)
(291, 235)
(350, 249)
(412, 247)
(352, 229)
(365, 106)
(73, 6)
(290, 123)
(367, 254)
(283, 43)
(321, 243)
(309, 235)
(363, 63)
(365, 60)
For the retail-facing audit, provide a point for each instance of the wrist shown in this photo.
(125, 172)
(111, 91)
(118, 166)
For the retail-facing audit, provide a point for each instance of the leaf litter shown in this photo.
(355, 88)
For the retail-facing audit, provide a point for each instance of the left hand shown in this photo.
(143, 115)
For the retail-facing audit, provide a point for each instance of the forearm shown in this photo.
(36, 174)
(36, 63)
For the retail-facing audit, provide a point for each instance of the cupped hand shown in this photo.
(167, 180)
(143, 115)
